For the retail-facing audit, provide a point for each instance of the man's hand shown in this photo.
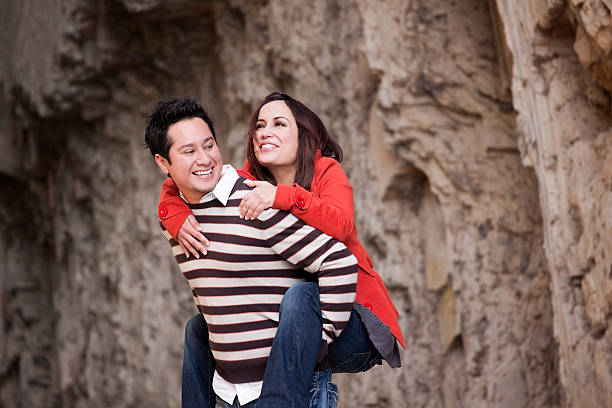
(257, 200)
(191, 239)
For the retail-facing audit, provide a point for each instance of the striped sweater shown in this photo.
(239, 284)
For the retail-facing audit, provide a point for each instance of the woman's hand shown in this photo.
(191, 239)
(257, 200)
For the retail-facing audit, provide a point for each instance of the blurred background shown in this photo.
(476, 135)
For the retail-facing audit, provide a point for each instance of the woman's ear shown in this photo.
(163, 164)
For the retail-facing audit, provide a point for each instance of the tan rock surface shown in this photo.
(476, 135)
(565, 139)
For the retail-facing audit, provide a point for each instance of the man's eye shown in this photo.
(189, 151)
(210, 146)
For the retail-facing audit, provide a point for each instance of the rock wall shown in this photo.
(476, 135)
(564, 117)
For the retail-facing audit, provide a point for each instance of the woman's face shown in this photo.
(276, 139)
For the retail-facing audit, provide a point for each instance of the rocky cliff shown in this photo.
(476, 135)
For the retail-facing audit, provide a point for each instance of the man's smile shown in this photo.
(202, 172)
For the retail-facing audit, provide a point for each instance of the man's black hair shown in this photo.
(167, 113)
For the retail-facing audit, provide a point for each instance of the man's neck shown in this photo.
(193, 198)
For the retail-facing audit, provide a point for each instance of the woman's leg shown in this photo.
(289, 373)
(198, 366)
(295, 349)
(353, 351)
(324, 393)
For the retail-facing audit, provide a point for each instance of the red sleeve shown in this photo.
(172, 209)
(332, 211)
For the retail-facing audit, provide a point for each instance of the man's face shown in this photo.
(195, 158)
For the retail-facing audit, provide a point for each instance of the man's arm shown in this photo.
(317, 253)
(178, 251)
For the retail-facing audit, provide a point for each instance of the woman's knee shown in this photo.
(300, 298)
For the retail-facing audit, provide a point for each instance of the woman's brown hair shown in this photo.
(312, 136)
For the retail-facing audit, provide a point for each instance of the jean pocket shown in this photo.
(357, 362)
(332, 395)
(323, 393)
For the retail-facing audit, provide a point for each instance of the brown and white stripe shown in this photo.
(239, 284)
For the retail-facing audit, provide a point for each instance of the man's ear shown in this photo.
(162, 163)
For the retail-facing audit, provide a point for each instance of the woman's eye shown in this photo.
(280, 124)
(258, 126)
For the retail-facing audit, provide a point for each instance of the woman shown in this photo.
(294, 165)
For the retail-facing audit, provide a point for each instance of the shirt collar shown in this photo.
(224, 186)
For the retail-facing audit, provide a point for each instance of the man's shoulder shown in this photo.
(239, 190)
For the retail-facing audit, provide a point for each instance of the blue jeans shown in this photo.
(198, 366)
(289, 373)
(323, 393)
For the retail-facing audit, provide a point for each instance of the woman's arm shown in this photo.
(329, 209)
(176, 217)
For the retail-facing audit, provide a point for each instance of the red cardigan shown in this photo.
(328, 207)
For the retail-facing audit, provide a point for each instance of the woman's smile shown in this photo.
(265, 146)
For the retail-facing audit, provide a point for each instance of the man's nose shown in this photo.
(203, 157)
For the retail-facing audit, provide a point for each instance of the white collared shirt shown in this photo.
(224, 186)
(224, 389)
(227, 391)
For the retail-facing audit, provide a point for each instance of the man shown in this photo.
(250, 268)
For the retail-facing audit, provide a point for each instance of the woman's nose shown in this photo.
(265, 131)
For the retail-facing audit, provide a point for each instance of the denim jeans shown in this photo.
(323, 394)
(198, 366)
(291, 366)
